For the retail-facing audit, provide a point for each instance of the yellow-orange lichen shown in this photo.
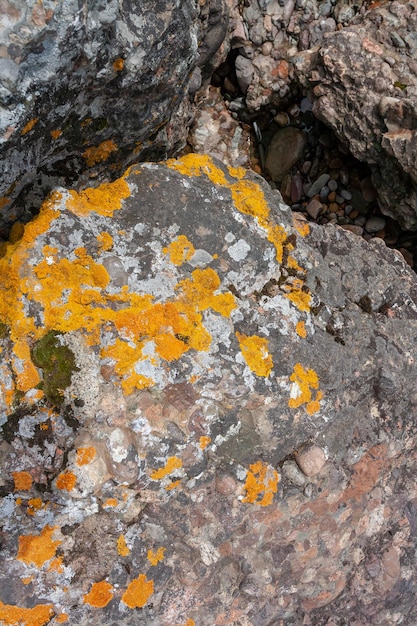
(122, 547)
(39, 615)
(110, 502)
(62, 618)
(173, 463)
(204, 441)
(104, 200)
(179, 250)
(155, 557)
(66, 481)
(22, 481)
(97, 154)
(261, 484)
(26, 129)
(105, 241)
(34, 505)
(100, 594)
(85, 455)
(56, 133)
(304, 381)
(118, 64)
(37, 549)
(138, 592)
(255, 352)
(300, 329)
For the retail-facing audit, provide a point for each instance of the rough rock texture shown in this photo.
(219, 344)
(364, 79)
(89, 87)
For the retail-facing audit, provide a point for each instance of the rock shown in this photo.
(148, 483)
(318, 184)
(374, 223)
(134, 66)
(313, 208)
(284, 151)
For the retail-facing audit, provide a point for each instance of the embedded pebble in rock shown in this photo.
(292, 472)
(310, 459)
(374, 224)
(285, 149)
(318, 184)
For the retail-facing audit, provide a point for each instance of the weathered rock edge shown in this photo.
(215, 334)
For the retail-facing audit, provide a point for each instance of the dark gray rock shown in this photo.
(217, 337)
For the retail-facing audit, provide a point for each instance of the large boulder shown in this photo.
(207, 410)
(88, 87)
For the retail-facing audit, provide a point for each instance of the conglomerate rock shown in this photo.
(89, 87)
(207, 410)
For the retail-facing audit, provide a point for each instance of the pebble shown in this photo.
(318, 184)
(310, 459)
(285, 149)
(353, 228)
(291, 471)
(313, 208)
(324, 193)
(346, 195)
(332, 184)
(374, 224)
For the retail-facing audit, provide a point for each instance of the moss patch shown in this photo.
(57, 363)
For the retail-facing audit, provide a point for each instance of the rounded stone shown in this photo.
(225, 484)
(310, 459)
(374, 224)
(284, 151)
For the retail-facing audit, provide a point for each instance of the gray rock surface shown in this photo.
(88, 87)
(215, 337)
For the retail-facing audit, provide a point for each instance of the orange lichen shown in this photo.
(204, 441)
(173, 485)
(300, 329)
(37, 549)
(298, 294)
(255, 352)
(56, 133)
(118, 64)
(26, 129)
(3, 201)
(122, 547)
(39, 615)
(57, 565)
(138, 592)
(304, 381)
(300, 224)
(26, 580)
(62, 618)
(22, 481)
(85, 455)
(179, 250)
(200, 290)
(104, 200)
(110, 502)
(155, 557)
(105, 241)
(97, 154)
(261, 484)
(100, 594)
(16, 232)
(173, 463)
(34, 505)
(66, 481)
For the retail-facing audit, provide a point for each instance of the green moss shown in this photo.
(57, 363)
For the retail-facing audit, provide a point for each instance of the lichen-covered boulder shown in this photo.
(88, 87)
(207, 410)
(364, 81)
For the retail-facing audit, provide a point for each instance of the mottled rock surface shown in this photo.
(215, 339)
(87, 88)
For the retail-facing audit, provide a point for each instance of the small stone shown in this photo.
(332, 184)
(306, 167)
(353, 228)
(324, 193)
(339, 199)
(360, 220)
(226, 485)
(313, 208)
(374, 224)
(282, 119)
(318, 184)
(332, 196)
(346, 194)
(285, 149)
(310, 459)
(296, 188)
(353, 213)
(291, 471)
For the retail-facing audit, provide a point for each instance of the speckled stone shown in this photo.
(310, 459)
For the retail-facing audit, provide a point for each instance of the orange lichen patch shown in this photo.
(173, 485)
(297, 293)
(200, 290)
(16, 232)
(57, 565)
(34, 505)
(37, 616)
(304, 381)
(110, 502)
(261, 484)
(155, 557)
(18, 501)
(125, 358)
(104, 200)
(138, 592)
(22, 481)
(118, 64)
(300, 329)
(66, 481)
(300, 224)
(99, 595)
(105, 241)
(3, 201)
(56, 133)
(173, 463)
(204, 441)
(37, 549)
(85, 455)
(179, 250)
(97, 154)
(62, 618)
(255, 352)
(26, 129)
(26, 580)
(122, 547)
